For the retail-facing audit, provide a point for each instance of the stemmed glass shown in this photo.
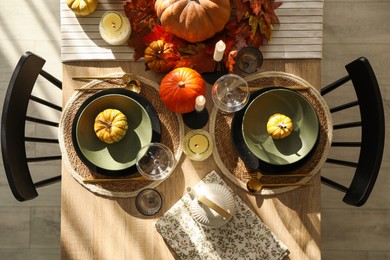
(230, 93)
(155, 161)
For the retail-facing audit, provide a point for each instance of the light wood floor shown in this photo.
(352, 28)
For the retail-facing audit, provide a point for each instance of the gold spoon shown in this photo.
(255, 185)
(126, 77)
(133, 85)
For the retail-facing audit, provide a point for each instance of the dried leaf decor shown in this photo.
(142, 17)
(250, 24)
(141, 14)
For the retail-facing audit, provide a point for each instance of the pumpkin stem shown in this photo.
(181, 84)
(108, 125)
(282, 126)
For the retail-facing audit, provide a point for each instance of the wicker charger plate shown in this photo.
(228, 159)
(172, 133)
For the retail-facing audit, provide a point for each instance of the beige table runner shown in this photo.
(299, 34)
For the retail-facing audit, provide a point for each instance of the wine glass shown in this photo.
(148, 202)
(230, 93)
(249, 59)
(155, 161)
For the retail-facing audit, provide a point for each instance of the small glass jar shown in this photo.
(197, 145)
(114, 28)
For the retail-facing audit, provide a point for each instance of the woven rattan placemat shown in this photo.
(172, 132)
(228, 159)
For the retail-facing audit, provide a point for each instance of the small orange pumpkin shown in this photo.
(155, 54)
(179, 89)
(279, 126)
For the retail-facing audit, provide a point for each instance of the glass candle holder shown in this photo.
(114, 28)
(197, 145)
(249, 59)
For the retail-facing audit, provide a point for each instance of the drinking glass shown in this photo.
(249, 59)
(230, 93)
(155, 161)
(148, 202)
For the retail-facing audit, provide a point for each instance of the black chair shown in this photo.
(15, 114)
(371, 122)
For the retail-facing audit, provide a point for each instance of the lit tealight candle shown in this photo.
(200, 102)
(198, 145)
(114, 28)
(219, 50)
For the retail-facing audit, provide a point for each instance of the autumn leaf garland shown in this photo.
(251, 23)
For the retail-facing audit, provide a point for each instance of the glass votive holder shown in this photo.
(249, 59)
(197, 145)
(148, 202)
(114, 28)
(230, 93)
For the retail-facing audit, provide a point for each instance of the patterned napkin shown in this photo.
(245, 236)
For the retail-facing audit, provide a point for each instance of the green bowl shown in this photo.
(291, 149)
(117, 159)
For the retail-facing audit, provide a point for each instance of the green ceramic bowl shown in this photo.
(290, 149)
(117, 159)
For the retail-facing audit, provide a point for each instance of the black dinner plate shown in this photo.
(249, 159)
(150, 110)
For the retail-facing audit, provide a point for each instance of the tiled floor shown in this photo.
(352, 28)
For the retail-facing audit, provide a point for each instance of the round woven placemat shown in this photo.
(228, 159)
(172, 132)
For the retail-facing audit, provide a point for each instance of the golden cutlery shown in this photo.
(212, 205)
(141, 178)
(255, 185)
(126, 77)
(259, 175)
(133, 85)
(209, 203)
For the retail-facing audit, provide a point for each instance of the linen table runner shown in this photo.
(299, 34)
(245, 236)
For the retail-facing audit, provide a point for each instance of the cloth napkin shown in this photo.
(245, 236)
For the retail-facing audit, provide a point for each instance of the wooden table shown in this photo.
(95, 227)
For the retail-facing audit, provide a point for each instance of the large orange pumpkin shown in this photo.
(192, 20)
(179, 89)
(155, 55)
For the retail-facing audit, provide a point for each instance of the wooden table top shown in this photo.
(96, 227)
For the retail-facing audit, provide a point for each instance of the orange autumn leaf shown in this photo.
(196, 56)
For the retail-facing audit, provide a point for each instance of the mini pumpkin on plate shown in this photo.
(279, 126)
(110, 125)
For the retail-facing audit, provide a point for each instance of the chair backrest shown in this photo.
(372, 124)
(14, 117)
